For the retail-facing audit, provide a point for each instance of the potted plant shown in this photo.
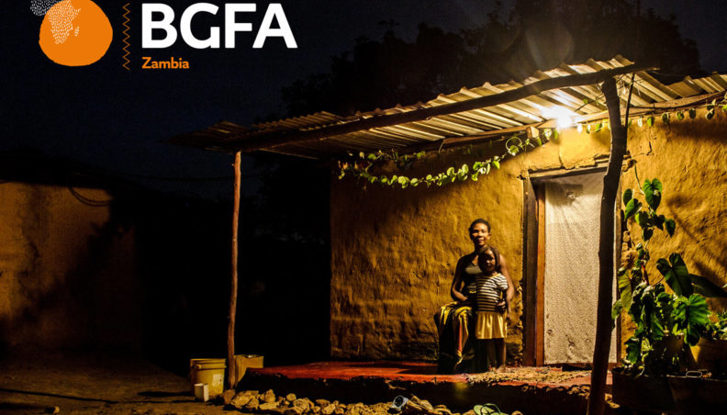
(710, 353)
(667, 322)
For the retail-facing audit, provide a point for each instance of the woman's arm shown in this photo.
(510, 293)
(458, 284)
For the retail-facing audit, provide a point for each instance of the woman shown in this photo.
(456, 353)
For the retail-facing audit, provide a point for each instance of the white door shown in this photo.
(572, 206)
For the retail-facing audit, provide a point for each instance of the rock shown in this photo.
(339, 411)
(316, 409)
(269, 407)
(303, 403)
(290, 397)
(268, 396)
(322, 402)
(380, 408)
(423, 403)
(253, 404)
(293, 410)
(328, 409)
(241, 399)
(470, 412)
(442, 409)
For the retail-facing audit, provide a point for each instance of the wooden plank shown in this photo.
(233, 282)
(252, 142)
(540, 279)
(530, 271)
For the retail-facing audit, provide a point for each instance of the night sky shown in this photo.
(106, 116)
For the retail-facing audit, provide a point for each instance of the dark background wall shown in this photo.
(97, 264)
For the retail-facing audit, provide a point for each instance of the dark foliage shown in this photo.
(537, 35)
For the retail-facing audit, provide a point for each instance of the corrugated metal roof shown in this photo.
(580, 103)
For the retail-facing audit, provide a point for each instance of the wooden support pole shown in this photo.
(233, 285)
(596, 400)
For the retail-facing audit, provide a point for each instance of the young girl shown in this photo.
(490, 328)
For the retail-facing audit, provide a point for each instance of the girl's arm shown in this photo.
(510, 292)
(458, 284)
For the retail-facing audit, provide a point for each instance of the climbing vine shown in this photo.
(365, 165)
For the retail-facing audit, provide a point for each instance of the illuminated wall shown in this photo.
(394, 250)
(67, 273)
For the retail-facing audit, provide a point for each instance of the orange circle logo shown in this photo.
(75, 33)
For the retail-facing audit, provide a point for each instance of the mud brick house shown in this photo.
(539, 148)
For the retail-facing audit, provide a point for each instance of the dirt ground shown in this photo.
(93, 384)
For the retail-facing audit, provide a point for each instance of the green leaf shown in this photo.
(676, 275)
(652, 192)
(628, 195)
(556, 134)
(692, 113)
(659, 221)
(512, 150)
(710, 114)
(496, 164)
(632, 207)
(624, 288)
(650, 120)
(464, 169)
(706, 287)
(647, 233)
(633, 350)
(414, 182)
(680, 115)
(476, 165)
(665, 118)
(538, 140)
(642, 218)
(670, 226)
(690, 315)
(474, 176)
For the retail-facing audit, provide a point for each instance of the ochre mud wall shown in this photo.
(394, 250)
(689, 157)
(67, 273)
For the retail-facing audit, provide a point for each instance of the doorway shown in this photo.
(561, 267)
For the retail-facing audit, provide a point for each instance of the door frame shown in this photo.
(533, 222)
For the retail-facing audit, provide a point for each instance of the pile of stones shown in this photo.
(270, 403)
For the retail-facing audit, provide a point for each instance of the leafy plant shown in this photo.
(717, 330)
(666, 322)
